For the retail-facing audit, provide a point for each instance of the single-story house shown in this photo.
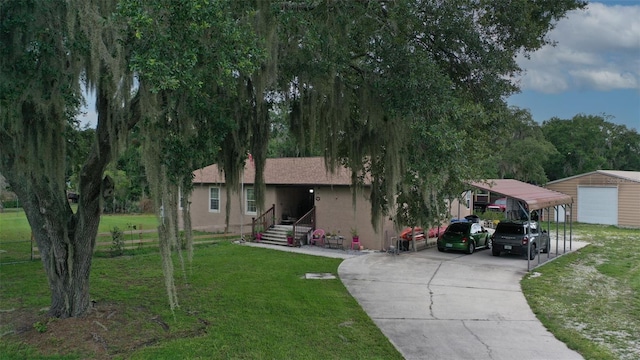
(607, 197)
(294, 186)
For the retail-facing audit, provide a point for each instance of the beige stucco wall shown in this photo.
(628, 195)
(459, 209)
(334, 212)
(205, 220)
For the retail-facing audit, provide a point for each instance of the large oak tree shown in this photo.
(50, 51)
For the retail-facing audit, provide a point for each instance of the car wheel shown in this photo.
(471, 248)
(533, 253)
(495, 252)
(489, 242)
(440, 249)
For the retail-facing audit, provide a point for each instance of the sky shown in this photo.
(594, 69)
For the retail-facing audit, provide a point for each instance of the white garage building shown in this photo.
(607, 197)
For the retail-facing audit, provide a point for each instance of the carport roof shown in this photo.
(534, 196)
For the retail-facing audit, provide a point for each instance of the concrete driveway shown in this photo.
(434, 305)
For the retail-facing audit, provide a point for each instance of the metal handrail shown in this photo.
(265, 221)
(308, 218)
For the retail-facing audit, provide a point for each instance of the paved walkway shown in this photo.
(312, 250)
(434, 305)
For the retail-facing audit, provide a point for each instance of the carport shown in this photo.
(531, 198)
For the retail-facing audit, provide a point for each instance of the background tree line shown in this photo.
(559, 148)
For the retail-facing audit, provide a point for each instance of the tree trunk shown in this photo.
(65, 241)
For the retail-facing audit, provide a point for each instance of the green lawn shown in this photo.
(14, 225)
(236, 303)
(15, 233)
(590, 299)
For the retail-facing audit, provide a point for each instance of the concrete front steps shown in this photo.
(277, 235)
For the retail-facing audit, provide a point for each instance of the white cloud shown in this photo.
(604, 79)
(597, 49)
(545, 81)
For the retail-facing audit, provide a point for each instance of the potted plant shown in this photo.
(354, 235)
(290, 237)
(355, 240)
(259, 232)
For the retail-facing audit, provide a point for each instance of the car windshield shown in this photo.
(505, 228)
(458, 228)
(501, 202)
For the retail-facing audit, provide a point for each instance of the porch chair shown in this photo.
(317, 236)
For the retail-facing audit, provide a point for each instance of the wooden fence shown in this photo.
(139, 243)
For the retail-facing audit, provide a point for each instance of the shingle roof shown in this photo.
(536, 197)
(283, 171)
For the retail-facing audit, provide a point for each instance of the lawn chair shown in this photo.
(317, 237)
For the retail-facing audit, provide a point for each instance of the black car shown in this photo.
(513, 237)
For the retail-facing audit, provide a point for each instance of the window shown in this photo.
(509, 228)
(181, 199)
(458, 228)
(250, 200)
(214, 199)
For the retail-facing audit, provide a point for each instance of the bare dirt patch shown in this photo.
(106, 331)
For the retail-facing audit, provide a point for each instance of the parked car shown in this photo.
(498, 205)
(469, 218)
(472, 218)
(513, 237)
(406, 236)
(436, 231)
(464, 236)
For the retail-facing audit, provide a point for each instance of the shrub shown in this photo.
(491, 215)
(40, 327)
(182, 240)
(117, 247)
(10, 204)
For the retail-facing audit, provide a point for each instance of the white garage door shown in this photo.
(598, 205)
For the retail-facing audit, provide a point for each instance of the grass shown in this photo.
(15, 227)
(15, 238)
(590, 299)
(254, 303)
